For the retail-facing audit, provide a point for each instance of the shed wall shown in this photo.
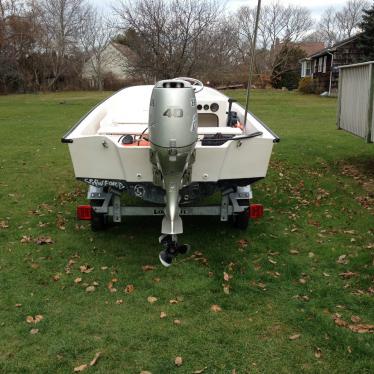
(356, 100)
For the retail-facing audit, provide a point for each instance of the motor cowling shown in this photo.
(173, 114)
(173, 135)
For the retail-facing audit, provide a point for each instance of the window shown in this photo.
(308, 69)
(320, 62)
(324, 64)
(315, 66)
(303, 65)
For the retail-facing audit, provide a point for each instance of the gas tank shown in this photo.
(173, 114)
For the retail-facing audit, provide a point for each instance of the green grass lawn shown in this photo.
(292, 278)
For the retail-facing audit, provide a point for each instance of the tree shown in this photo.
(286, 68)
(166, 35)
(61, 21)
(95, 36)
(327, 27)
(335, 26)
(279, 25)
(17, 44)
(349, 17)
(366, 41)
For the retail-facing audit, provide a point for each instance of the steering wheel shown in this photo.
(195, 83)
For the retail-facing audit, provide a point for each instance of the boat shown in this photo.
(170, 144)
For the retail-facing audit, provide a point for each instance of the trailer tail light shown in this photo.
(84, 212)
(256, 211)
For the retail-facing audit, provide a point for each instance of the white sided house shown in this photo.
(111, 62)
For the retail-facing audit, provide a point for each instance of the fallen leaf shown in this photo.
(104, 268)
(56, 277)
(173, 301)
(35, 320)
(200, 370)
(302, 280)
(145, 372)
(94, 360)
(243, 243)
(318, 352)
(129, 288)
(342, 260)
(362, 328)
(151, 299)
(85, 269)
(18, 305)
(215, 308)
(43, 240)
(148, 267)
(272, 261)
(111, 288)
(177, 322)
(157, 280)
(3, 225)
(348, 274)
(310, 254)
(80, 368)
(339, 321)
(326, 275)
(119, 302)
(77, 280)
(34, 331)
(178, 361)
(163, 315)
(60, 222)
(294, 252)
(226, 289)
(355, 319)
(90, 289)
(226, 276)
(25, 239)
(349, 349)
(294, 337)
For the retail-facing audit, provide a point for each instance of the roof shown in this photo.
(311, 47)
(307, 47)
(124, 49)
(334, 47)
(356, 65)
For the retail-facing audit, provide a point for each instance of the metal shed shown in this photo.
(356, 100)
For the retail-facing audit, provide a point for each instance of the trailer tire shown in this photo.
(241, 220)
(99, 221)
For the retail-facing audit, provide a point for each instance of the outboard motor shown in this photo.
(173, 135)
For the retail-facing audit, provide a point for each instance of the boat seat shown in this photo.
(137, 129)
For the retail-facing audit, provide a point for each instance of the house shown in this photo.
(323, 65)
(308, 47)
(113, 68)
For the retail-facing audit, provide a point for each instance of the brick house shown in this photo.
(323, 65)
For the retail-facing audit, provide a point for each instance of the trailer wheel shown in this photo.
(99, 221)
(241, 220)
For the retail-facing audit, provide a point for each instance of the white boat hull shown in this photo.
(96, 152)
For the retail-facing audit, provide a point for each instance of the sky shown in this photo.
(316, 6)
